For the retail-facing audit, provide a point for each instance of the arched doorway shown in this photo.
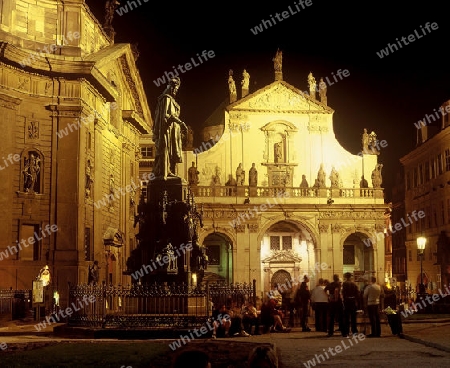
(219, 250)
(287, 248)
(358, 256)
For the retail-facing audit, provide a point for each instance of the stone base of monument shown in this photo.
(176, 188)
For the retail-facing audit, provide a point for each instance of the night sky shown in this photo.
(387, 95)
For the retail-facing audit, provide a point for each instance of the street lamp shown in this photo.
(421, 241)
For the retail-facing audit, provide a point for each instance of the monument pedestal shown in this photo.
(176, 188)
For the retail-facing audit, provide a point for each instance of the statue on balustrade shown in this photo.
(377, 179)
(193, 175)
(253, 176)
(334, 178)
(321, 177)
(304, 184)
(240, 175)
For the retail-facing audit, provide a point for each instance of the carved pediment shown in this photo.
(282, 256)
(280, 96)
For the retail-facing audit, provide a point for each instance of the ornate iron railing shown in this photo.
(149, 306)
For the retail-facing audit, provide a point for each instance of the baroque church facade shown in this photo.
(280, 196)
(72, 111)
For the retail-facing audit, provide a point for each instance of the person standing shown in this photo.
(350, 294)
(373, 295)
(335, 304)
(303, 297)
(319, 302)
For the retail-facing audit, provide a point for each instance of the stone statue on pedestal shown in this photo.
(245, 83)
(232, 87)
(240, 175)
(334, 178)
(377, 179)
(312, 86)
(365, 141)
(253, 176)
(321, 177)
(167, 132)
(323, 91)
(193, 175)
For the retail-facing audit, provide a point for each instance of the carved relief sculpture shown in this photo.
(33, 130)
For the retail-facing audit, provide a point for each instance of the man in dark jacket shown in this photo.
(303, 297)
(333, 290)
(350, 294)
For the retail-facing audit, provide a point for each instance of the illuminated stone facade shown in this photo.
(72, 114)
(427, 179)
(252, 233)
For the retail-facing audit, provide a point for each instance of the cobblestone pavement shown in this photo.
(425, 344)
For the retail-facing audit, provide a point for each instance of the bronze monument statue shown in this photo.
(167, 132)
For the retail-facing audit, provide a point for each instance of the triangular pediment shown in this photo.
(279, 96)
(282, 256)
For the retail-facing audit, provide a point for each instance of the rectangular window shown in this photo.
(442, 213)
(427, 172)
(274, 243)
(447, 159)
(420, 181)
(147, 152)
(408, 180)
(433, 169)
(287, 242)
(415, 177)
(29, 251)
(439, 164)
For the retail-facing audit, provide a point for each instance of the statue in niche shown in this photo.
(323, 91)
(278, 152)
(321, 177)
(240, 175)
(167, 132)
(232, 87)
(253, 176)
(193, 175)
(278, 61)
(172, 265)
(32, 168)
(304, 183)
(334, 178)
(89, 178)
(377, 179)
(365, 141)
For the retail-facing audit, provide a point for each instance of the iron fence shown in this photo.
(149, 306)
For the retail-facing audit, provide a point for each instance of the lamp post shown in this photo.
(421, 241)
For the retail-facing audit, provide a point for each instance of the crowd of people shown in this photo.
(337, 302)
